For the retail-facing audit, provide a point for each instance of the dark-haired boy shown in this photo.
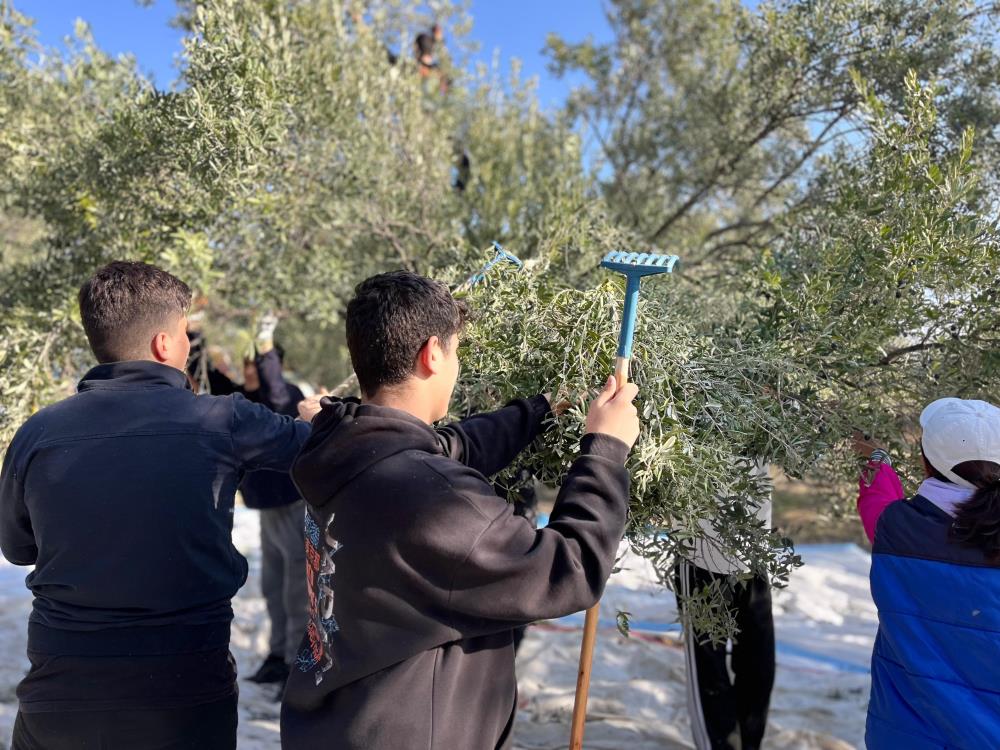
(418, 572)
(121, 496)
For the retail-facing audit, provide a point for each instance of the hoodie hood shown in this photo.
(347, 439)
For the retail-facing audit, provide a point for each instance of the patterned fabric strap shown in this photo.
(880, 456)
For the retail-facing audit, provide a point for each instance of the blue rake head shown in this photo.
(638, 264)
(504, 255)
(499, 256)
(634, 266)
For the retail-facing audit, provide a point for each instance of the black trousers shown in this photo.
(731, 714)
(211, 726)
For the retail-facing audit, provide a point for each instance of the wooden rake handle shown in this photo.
(589, 631)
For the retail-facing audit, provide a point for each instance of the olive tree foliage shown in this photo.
(765, 146)
(875, 304)
(888, 288)
(42, 128)
(708, 117)
(707, 407)
(292, 161)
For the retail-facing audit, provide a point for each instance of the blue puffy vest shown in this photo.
(936, 663)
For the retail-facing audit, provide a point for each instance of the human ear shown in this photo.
(160, 346)
(432, 355)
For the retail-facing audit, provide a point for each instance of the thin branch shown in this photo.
(895, 354)
(741, 224)
(769, 127)
(806, 155)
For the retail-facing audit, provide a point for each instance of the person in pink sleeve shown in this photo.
(935, 579)
(878, 485)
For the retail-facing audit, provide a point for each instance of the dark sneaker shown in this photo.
(273, 669)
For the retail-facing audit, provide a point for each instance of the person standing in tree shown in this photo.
(935, 579)
(729, 713)
(121, 496)
(423, 51)
(427, 64)
(418, 572)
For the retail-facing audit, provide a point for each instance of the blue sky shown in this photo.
(516, 27)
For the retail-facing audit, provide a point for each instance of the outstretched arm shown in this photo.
(878, 488)
(514, 574)
(263, 439)
(275, 391)
(884, 489)
(490, 442)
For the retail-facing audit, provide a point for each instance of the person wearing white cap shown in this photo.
(935, 580)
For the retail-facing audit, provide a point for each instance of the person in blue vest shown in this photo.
(935, 579)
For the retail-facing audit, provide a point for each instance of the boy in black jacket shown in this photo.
(418, 572)
(121, 496)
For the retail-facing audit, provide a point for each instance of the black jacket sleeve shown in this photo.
(219, 384)
(276, 392)
(17, 540)
(489, 442)
(514, 574)
(263, 439)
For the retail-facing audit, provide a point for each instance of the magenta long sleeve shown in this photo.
(885, 489)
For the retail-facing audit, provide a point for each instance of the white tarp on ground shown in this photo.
(825, 627)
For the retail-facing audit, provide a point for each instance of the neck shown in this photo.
(945, 495)
(404, 399)
(166, 363)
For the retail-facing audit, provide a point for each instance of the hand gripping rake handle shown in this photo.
(634, 266)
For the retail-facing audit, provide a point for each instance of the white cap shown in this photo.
(958, 430)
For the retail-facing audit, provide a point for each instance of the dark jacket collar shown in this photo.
(133, 374)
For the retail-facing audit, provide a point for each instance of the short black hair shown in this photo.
(125, 304)
(424, 45)
(390, 318)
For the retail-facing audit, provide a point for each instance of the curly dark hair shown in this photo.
(423, 45)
